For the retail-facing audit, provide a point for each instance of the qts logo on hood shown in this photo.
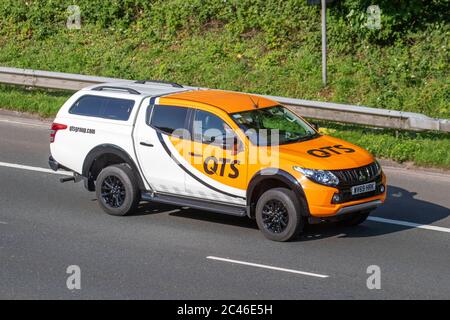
(325, 152)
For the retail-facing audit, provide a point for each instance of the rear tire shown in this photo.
(278, 214)
(117, 190)
(355, 219)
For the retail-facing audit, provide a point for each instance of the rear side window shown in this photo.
(168, 118)
(103, 107)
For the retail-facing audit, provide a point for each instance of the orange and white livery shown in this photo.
(221, 151)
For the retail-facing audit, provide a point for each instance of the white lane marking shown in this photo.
(409, 224)
(268, 267)
(2, 222)
(25, 123)
(38, 169)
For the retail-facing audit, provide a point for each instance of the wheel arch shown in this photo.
(267, 179)
(105, 155)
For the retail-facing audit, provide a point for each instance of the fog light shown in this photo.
(382, 188)
(336, 198)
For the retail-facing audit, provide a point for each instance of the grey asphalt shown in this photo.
(160, 252)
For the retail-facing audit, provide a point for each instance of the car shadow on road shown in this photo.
(195, 214)
(147, 208)
(400, 204)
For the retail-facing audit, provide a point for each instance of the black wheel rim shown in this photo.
(275, 216)
(113, 192)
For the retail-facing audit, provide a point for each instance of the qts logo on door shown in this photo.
(212, 166)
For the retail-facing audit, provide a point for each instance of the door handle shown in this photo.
(146, 144)
(194, 154)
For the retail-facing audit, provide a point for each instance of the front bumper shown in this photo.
(359, 207)
(321, 205)
(347, 211)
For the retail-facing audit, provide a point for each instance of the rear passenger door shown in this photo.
(158, 139)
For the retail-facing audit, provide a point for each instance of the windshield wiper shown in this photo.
(304, 138)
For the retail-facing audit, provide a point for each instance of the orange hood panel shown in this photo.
(325, 153)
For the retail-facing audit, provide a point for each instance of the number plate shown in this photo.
(363, 188)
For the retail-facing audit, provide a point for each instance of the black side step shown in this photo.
(234, 210)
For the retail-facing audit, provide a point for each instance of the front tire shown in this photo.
(117, 190)
(278, 214)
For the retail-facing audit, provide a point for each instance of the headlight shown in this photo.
(320, 176)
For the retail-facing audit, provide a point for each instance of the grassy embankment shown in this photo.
(269, 47)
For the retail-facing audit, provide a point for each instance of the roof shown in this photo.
(228, 101)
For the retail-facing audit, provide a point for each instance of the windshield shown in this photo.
(273, 126)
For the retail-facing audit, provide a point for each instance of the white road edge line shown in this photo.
(409, 224)
(37, 169)
(268, 267)
(25, 123)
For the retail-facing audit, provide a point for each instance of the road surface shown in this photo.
(165, 252)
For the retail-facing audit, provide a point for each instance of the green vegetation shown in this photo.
(426, 149)
(261, 46)
(45, 103)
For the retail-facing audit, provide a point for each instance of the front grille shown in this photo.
(346, 193)
(351, 177)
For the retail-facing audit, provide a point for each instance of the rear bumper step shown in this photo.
(53, 164)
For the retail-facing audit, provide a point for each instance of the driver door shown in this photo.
(219, 160)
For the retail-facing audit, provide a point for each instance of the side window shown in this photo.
(210, 129)
(169, 119)
(118, 109)
(103, 107)
(87, 106)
